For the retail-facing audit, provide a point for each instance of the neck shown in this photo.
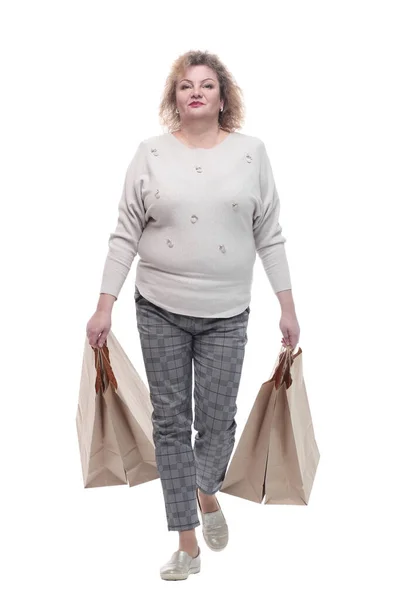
(199, 134)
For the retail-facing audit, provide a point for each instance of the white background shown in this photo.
(81, 86)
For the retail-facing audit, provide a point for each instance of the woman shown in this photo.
(198, 203)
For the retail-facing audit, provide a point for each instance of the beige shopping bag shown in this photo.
(113, 419)
(276, 458)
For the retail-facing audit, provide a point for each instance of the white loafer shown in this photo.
(180, 566)
(215, 527)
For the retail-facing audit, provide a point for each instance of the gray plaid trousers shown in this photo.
(170, 342)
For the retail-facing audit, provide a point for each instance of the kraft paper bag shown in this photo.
(276, 458)
(113, 419)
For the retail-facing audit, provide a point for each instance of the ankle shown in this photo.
(188, 538)
(191, 547)
(207, 498)
(188, 545)
(208, 502)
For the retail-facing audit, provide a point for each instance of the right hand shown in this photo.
(98, 328)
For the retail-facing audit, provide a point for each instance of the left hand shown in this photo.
(290, 329)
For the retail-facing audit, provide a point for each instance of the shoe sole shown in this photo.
(176, 577)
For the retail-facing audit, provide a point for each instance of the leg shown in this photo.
(167, 354)
(218, 354)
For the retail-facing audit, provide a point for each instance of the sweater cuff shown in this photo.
(276, 266)
(114, 276)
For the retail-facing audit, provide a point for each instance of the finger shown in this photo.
(101, 340)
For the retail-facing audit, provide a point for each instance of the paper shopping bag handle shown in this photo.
(103, 366)
(282, 371)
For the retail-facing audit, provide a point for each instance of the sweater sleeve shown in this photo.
(123, 241)
(267, 229)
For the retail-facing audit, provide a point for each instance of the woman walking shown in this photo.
(198, 204)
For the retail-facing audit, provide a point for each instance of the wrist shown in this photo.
(286, 301)
(106, 303)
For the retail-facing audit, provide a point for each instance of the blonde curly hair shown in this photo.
(233, 114)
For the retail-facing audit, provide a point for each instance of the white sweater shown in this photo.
(197, 217)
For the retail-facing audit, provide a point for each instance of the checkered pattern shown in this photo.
(170, 342)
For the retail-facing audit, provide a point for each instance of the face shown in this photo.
(199, 82)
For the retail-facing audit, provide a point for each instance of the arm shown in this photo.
(268, 236)
(123, 241)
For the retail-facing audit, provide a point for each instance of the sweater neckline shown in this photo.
(229, 136)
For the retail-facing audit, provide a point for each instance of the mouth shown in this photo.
(196, 104)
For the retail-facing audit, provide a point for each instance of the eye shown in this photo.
(184, 86)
